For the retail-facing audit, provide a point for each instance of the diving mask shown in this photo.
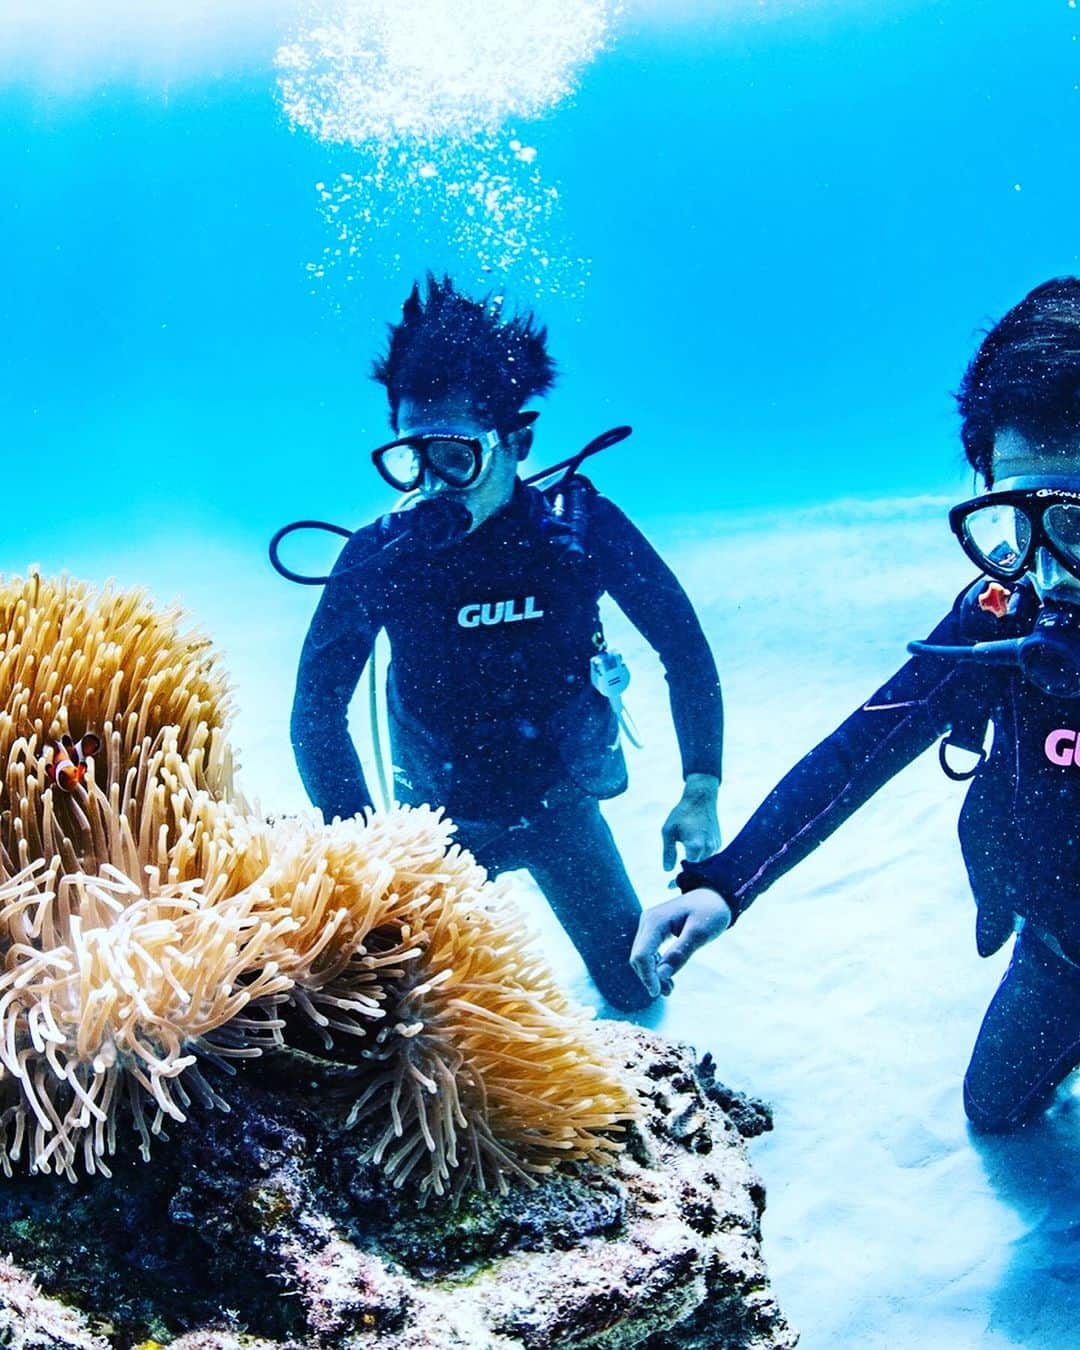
(1028, 525)
(456, 459)
(1024, 525)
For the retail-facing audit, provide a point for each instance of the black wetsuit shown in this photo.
(1019, 834)
(492, 712)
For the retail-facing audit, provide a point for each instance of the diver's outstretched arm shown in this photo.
(898, 722)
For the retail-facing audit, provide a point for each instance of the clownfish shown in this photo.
(67, 768)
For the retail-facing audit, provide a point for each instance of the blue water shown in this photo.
(798, 219)
(796, 226)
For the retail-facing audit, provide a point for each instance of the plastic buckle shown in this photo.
(609, 674)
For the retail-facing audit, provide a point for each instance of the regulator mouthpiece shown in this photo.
(437, 522)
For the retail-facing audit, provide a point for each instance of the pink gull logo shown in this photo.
(1061, 747)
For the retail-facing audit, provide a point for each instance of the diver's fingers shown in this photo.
(696, 845)
(669, 834)
(677, 956)
(706, 916)
(654, 927)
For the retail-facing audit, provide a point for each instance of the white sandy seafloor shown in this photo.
(850, 995)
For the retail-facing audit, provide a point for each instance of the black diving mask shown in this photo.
(1003, 531)
(456, 459)
(1028, 525)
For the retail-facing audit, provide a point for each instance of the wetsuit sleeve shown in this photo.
(336, 649)
(896, 724)
(649, 594)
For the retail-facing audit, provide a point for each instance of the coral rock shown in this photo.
(30, 1321)
(266, 1229)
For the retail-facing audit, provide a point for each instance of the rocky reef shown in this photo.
(266, 1228)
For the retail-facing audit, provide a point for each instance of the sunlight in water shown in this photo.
(427, 96)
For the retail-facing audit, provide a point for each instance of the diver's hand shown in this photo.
(692, 920)
(693, 822)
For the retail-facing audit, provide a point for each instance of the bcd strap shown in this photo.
(566, 521)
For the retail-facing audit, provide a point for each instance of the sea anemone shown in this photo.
(73, 661)
(480, 1068)
(143, 987)
(150, 926)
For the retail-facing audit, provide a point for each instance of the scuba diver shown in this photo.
(1007, 658)
(502, 697)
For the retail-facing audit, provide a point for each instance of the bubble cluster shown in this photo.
(486, 201)
(426, 95)
(383, 71)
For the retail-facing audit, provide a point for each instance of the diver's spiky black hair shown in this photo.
(1026, 375)
(448, 342)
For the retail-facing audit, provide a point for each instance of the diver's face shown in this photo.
(455, 413)
(1017, 457)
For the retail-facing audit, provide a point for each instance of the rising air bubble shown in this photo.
(427, 95)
